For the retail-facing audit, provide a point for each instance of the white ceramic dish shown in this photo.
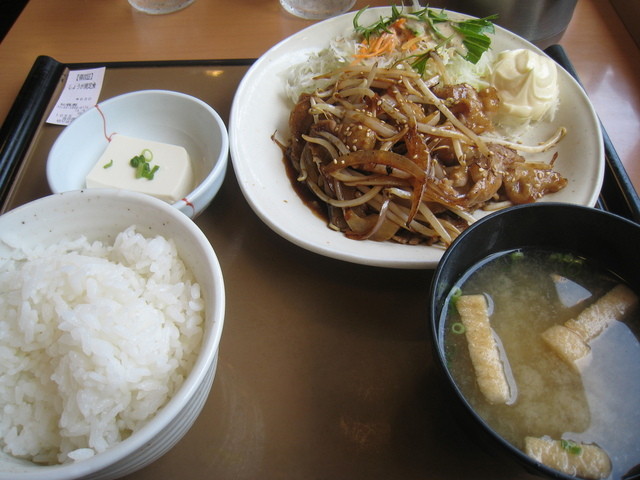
(160, 115)
(261, 108)
(100, 215)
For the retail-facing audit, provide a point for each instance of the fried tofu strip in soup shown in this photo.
(571, 340)
(483, 348)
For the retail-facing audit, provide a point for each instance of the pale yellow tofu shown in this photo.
(172, 182)
(566, 344)
(582, 460)
(483, 348)
(612, 306)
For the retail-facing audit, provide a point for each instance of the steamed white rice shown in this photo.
(94, 339)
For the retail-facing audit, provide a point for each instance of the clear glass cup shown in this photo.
(159, 7)
(316, 9)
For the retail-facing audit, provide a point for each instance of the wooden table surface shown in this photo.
(601, 49)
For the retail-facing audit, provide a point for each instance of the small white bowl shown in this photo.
(100, 214)
(158, 115)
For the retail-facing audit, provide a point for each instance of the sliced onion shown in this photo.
(364, 157)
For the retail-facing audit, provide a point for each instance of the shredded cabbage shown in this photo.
(436, 52)
(301, 78)
(342, 50)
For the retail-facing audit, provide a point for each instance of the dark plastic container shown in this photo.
(611, 240)
(542, 22)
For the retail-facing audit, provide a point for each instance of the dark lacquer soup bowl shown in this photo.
(535, 319)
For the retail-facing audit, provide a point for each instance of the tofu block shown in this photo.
(483, 348)
(171, 182)
(567, 344)
(612, 306)
(581, 460)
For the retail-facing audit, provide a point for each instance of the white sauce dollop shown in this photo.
(527, 85)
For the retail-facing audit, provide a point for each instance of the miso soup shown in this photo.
(592, 398)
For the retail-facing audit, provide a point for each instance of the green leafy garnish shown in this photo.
(420, 63)
(474, 36)
(377, 27)
(473, 32)
(517, 255)
(142, 165)
(455, 294)
(108, 165)
(431, 18)
(568, 258)
(137, 160)
(458, 328)
(570, 446)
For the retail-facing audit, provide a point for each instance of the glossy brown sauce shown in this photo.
(304, 193)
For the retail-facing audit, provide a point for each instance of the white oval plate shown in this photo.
(260, 108)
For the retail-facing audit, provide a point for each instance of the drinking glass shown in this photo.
(159, 7)
(316, 9)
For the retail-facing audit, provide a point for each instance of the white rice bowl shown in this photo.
(111, 313)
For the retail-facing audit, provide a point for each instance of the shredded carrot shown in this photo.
(385, 43)
(403, 33)
(411, 44)
(399, 23)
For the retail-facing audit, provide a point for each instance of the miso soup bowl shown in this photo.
(606, 238)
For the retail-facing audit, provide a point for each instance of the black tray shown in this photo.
(25, 130)
(326, 368)
(38, 92)
(617, 194)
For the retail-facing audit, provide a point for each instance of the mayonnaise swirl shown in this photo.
(527, 85)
